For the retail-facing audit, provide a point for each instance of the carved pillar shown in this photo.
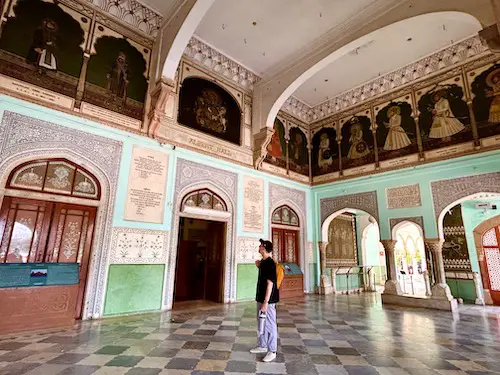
(427, 282)
(391, 285)
(325, 286)
(339, 139)
(479, 288)
(473, 124)
(375, 145)
(440, 289)
(287, 143)
(309, 149)
(159, 98)
(81, 81)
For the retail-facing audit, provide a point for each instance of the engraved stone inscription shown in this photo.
(253, 205)
(146, 186)
(403, 196)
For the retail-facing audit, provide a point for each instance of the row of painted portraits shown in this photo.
(43, 43)
(298, 156)
(444, 120)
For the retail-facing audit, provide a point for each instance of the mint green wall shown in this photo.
(472, 218)
(134, 288)
(246, 282)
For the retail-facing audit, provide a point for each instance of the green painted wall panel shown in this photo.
(134, 288)
(464, 289)
(246, 282)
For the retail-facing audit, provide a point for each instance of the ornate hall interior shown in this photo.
(146, 146)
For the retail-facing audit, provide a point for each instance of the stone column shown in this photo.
(427, 281)
(81, 81)
(159, 98)
(287, 143)
(325, 286)
(375, 145)
(339, 148)
(479, 288)
(391, 285)
(440, 290)
(309, 149)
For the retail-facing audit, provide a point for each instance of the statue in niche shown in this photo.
(396, 137)
(211, 112)
(493, 82)
(359, 147)
(118, 78)
(444, 123)
(43, 48)
(325, 155)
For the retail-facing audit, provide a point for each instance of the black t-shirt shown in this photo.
(267, 271)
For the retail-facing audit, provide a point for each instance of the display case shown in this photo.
(37, 296)
(293, 282)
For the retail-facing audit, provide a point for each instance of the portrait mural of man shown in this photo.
(396, 131)
(325, 154)
(357, 142)
(276, 149)
(116, 75)
(342, 244)
(298, 154)
(41, 44)
(207, 107)
(486, 101)
(444, 117)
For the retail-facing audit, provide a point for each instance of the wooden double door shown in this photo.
(286, 245)
(36, 231)
(490, 263)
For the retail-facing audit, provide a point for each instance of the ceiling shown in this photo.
(388, 49)
(281, 27)
(162, 7)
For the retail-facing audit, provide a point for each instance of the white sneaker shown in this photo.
(270, 356)
(258, 350)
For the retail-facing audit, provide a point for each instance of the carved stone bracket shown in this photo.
(260, 142)
(491, 36)
(159, 97)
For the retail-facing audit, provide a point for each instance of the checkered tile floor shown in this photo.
(334, 335)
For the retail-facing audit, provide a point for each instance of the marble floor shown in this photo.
(334, 335)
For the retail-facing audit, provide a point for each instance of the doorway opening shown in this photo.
(200, 255)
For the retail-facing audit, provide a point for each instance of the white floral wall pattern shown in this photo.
(139, 246)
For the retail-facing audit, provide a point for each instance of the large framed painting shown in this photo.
(342, 247)
(206, 107)
(444, 115)
(396, 129)
(357, 146)
(117, 74)
(42, 44)
(276, 149)
(325, 152)
(298, 155)
(486, 102)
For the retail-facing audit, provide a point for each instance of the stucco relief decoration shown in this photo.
(139, 246)
(419, 220)
(277, 193)
(445, 192)
(362, 201)
(247, 250)
(403, 197)
(23, 136)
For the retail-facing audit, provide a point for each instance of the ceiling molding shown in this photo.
(132, 13)
(220, 64)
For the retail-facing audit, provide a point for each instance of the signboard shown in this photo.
(14, 275)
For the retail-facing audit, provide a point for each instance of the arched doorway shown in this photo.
(490, 263)
(201, 249)
(410, 258)
(48, 215)
(373, 255)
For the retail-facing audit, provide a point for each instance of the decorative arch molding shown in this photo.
(361, 201)
(296, 200)
(395, 223)
(446, 192)
(190, 177)
(23, 139)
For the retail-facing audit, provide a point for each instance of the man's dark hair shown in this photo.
(268, 245)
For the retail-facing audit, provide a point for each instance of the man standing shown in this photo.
(267, 297)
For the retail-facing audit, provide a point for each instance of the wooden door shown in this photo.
(491, 263)
(286, 245)
(215, 255)
(24, 225)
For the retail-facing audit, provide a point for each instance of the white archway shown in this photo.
(480, 195)
(229, 278)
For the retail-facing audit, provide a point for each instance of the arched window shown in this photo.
(284, 215)
(55, 176)
(204, 199)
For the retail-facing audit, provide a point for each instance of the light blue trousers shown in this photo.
(269, 339)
